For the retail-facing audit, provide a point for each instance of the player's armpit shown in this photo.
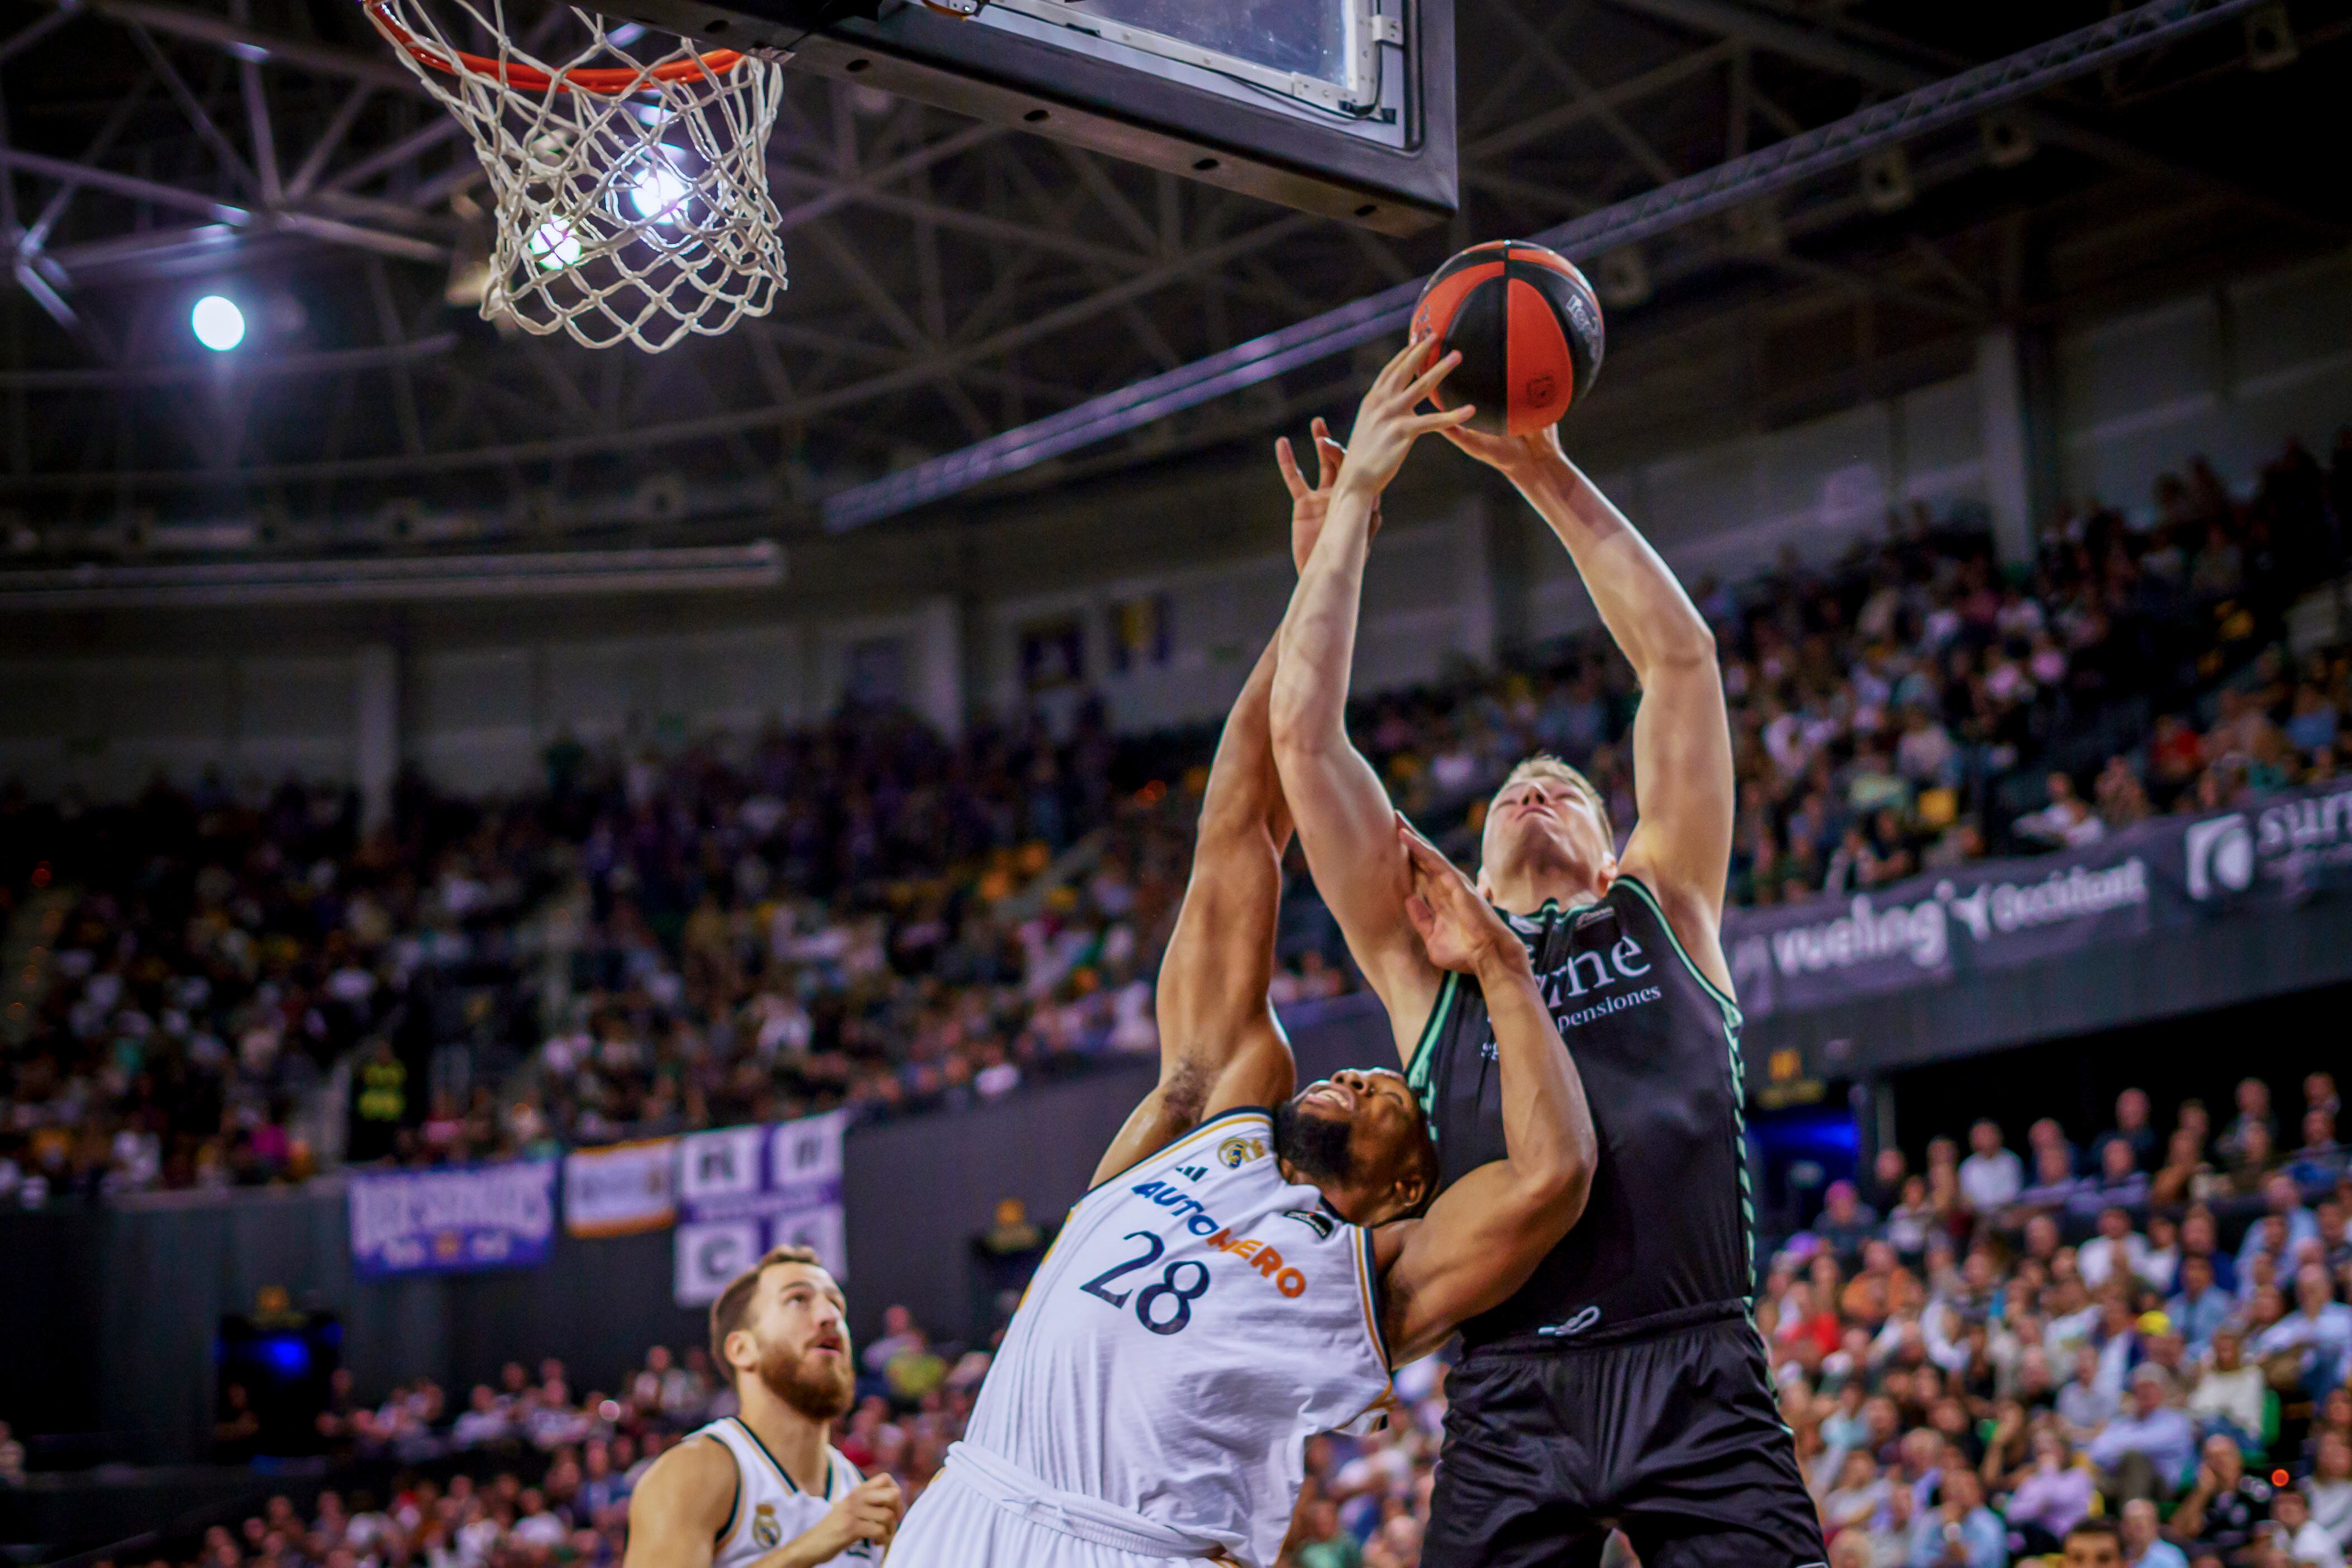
(680, 1509)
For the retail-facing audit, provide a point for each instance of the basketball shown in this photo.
(1528, 326)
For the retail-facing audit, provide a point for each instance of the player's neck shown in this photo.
(796, 1443)
(1524, 889)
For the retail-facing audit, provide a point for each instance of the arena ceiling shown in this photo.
(950, 279)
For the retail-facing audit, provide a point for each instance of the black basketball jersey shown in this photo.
(1668, 1228)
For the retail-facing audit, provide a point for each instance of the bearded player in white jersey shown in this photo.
(764, 1487)
(1222, 1294)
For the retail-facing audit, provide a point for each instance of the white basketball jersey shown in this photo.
(770, 1507)
(1198, 1319)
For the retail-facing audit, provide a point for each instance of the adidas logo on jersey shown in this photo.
(1192, 1173)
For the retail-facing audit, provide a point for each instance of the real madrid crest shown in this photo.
(1235, 1153)
(767, 1530)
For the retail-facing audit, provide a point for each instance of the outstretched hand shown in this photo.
(1310, 505)
(1459, 929)
(1513, 456)
(1386, 424)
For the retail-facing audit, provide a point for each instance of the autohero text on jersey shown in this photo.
(1166, 1308)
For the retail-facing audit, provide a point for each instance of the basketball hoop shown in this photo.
(632, 188)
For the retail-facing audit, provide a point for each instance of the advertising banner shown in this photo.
(2177, 873)
(447, 1221)
(622, 1188)
(743, 1190)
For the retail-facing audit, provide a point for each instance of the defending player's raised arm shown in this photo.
(1344, 820)
(1220, 1045)
(1683, 776)
(1485, 1234)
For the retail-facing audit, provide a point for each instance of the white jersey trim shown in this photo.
(1200, 1129)
(834, 1465)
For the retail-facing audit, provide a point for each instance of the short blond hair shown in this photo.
(1544, 765)
(734, 1302)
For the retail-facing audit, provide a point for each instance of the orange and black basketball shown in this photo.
(1528, 325)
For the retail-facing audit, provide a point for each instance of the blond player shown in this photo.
(765, 1488)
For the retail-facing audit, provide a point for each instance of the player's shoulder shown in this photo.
(698, 1475)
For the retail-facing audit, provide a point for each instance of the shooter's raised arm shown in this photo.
(1683, 782)
(1344, 818)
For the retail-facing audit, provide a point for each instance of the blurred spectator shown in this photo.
(2224, 1508)
(1960, 1530)
(2144, 1449)
(2143, 1546)
(1991, 1177)
(2066, 821)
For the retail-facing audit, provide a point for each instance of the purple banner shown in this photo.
(2173, 874)
(447, 1221)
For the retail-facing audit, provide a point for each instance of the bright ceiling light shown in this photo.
(554, 245)
(658, 191)
(218, 324)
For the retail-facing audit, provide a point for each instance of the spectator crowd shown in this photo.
(1978, 1355)
(213, 989)
(1975, 1356)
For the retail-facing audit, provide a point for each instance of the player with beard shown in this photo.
(1220, 1294)
(764, 1489)
(1623, 1386)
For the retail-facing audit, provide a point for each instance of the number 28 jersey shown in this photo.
(1198, 1319)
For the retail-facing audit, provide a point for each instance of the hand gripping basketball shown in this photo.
(1528, 326)
(1386, 424)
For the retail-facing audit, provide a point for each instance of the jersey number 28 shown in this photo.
(1152, 1309)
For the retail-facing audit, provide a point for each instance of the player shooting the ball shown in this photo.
(1624, 1385)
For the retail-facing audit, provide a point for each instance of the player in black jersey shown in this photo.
(1624, 1385)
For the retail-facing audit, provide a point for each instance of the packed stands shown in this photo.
(758, 928)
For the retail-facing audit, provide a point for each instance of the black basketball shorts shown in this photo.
(1674, 1438)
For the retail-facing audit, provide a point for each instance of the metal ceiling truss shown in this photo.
(1671, 204)
(950, 280)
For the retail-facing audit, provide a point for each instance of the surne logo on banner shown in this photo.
(2300, 841)
(743, 1190)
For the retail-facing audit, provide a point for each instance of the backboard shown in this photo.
(1342, 107)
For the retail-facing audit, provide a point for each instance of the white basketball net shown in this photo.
(632, 187)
